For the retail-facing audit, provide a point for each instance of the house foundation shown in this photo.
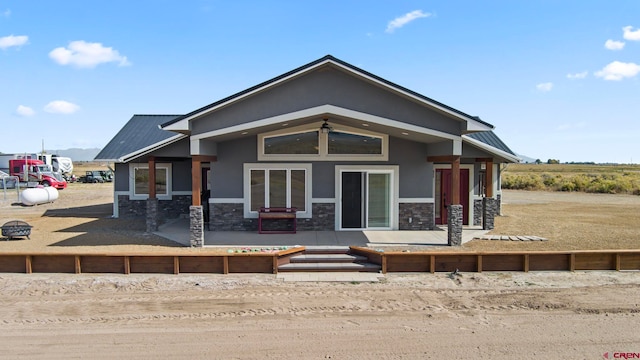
(416, 216)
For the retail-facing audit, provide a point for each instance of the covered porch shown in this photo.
(177, 231)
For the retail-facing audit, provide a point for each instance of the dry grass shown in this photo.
(571, 221)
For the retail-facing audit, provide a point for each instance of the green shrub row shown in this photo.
(625, 183)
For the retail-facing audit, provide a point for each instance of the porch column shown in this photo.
(196, 220)
(152, 177)
(196, 180)
(455, 210)
(488, 178)
(455, 181)
(152, 215)
(196, 210)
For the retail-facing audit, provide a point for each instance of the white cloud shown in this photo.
(25, 111)
(61, 107)
(9, 41)
(6, 13)
(618, 70)
(544, 87)
(630, 34)
(405, 19)
(614, 45)
(580, 75)
(87, 55)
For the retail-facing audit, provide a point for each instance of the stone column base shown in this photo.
(489, 211)
(152, 216)
(454, 225)
(196, 226)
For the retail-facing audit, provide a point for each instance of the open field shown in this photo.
(605, 179)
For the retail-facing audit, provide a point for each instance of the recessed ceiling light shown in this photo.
(285, 124)
(365, 125)
(244, 133)
(405, 133)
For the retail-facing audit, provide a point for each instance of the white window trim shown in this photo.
(132, 181)
(323, 153)
(246, 178)
(394, 170)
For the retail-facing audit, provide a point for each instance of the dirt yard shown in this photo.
(537, 315)
(80, 221)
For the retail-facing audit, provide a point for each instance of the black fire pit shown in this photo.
(16, 228)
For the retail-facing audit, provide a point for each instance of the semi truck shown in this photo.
(36, 171)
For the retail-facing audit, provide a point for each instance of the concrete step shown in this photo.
(327, 258)
(330, 266)
(326, 249)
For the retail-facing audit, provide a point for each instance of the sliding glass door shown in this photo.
(366, 199)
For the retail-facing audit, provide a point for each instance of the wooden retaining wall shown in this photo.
(441, 261)
(165, 263)
(448, 261)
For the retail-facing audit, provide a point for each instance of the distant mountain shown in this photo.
(76, 154)
(526, 159)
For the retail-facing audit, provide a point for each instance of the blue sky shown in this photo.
(558, 79)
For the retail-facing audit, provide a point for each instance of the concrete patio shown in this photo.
(178, 231)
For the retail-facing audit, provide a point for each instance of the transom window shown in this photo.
(299, 143)
(307, 143)
(346, 143)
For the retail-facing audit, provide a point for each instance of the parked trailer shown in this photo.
(30, 170)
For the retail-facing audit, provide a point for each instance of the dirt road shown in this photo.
(409, 316)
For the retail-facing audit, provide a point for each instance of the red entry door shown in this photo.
(443, 194)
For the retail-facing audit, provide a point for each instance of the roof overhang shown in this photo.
(144, 151)
(490, 149)
(385, 125)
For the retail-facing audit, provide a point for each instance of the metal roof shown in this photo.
(141, 131)
(491, 139)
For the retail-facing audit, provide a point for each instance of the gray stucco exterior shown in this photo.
(420, 137)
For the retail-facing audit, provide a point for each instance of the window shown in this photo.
(346, 143)
(139, 181)
(299, 143)
(277, 185)
(307, 143)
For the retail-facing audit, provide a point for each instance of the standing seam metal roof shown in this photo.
(491, 139)
(139, 132)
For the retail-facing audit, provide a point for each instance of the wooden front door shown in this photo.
(443, 195)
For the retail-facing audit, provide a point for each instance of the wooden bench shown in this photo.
(277, 213)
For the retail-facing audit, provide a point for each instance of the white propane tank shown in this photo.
(38, 195)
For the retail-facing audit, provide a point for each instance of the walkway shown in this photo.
(178, 231)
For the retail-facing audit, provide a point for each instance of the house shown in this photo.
(348, 149)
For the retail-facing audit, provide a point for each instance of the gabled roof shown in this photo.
(142, 133)
(328, 59)
(489, 141)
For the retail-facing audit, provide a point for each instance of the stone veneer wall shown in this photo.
(230, 217)
(167, 209)
(454, 225)
(421, 215)
(324, 218)
(477, 212)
